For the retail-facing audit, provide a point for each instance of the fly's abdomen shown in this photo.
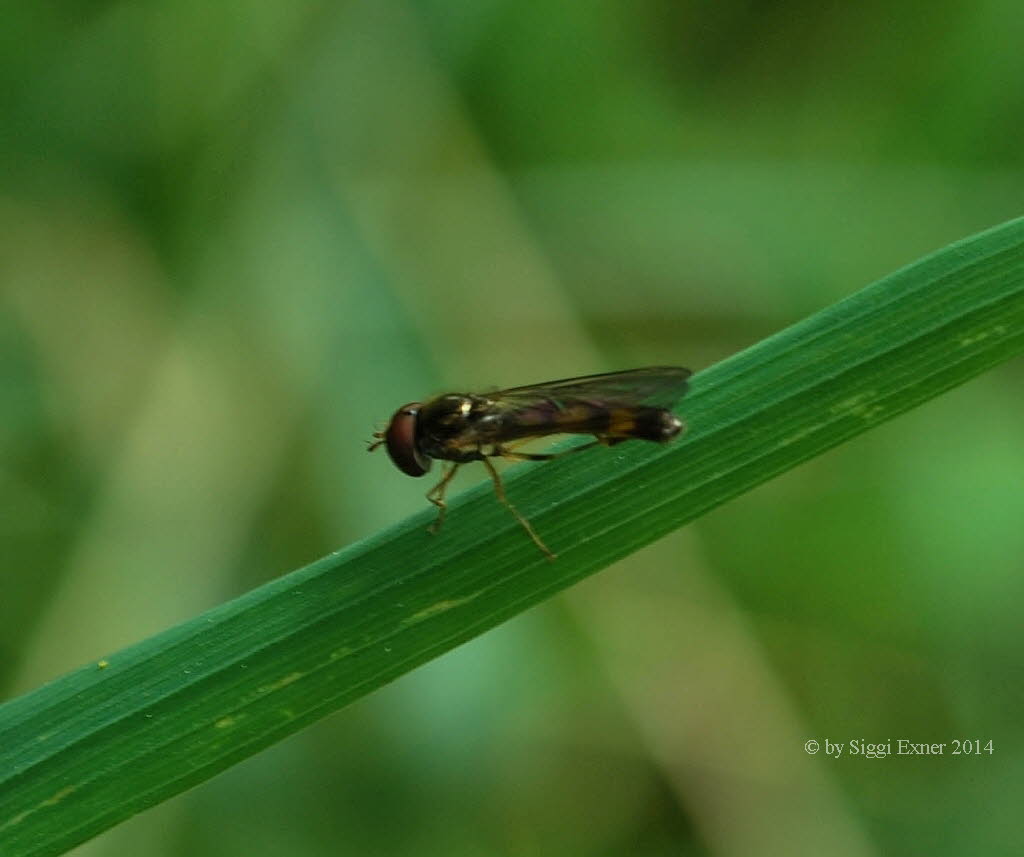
(655, 424)
(603, 421)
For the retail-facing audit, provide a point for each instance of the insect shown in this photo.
(461, 427)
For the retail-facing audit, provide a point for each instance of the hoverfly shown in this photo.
(463, 427)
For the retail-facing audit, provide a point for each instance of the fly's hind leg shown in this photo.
(506, 452)
(499, 491)
(436, 496)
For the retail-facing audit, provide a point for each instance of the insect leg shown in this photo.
(499, 491)
(550, 456)
(436, 496)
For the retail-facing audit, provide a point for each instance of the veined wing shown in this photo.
(657, 386)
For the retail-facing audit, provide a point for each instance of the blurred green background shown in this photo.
(234, 237)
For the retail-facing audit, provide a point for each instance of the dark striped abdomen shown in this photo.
(657, 424)
(603, 421)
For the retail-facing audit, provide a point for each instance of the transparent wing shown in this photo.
(658, 386)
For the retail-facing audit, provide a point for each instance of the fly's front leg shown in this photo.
(499, 491)
(436, 496)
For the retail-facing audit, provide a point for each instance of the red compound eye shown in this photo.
(400, 440)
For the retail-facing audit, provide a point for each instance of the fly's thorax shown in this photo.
(446, 423)
(445, 415)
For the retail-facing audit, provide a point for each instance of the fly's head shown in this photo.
(401, 440)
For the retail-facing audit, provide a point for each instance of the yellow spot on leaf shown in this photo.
(59, 796)
(439, 607)
(859, 406)
(979, 335)
(53, 800)
(284, 681)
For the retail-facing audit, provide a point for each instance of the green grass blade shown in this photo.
(98, 745)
